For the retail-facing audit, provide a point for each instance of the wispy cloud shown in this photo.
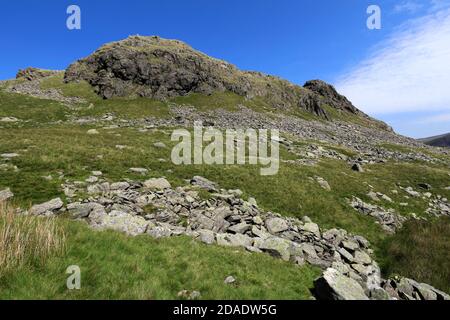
(408, 6)
(440, 118)
(408, 72)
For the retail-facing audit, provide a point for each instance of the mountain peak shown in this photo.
(150, 66)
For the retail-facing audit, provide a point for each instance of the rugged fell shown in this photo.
(159, 68)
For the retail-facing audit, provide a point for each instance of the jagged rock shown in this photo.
(313, 228)
(35, 73)
(159, 68)
(362, 258)
(276, 225)
(333, 285)
(83, 210)
(157, 184)
(204, 183)
(233, 240)
(240, 228)
(6, 195)
(189, 295)
(207, 236)
(275, 246)
(46, 208)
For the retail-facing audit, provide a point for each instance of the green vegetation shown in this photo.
(411, 251)
(26, 240)
(159, 269)
(114, 266)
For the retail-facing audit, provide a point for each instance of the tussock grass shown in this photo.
(410, 251)
(26, 239)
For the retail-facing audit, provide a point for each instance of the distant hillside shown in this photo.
(438, 141)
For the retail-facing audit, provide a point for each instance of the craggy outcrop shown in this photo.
(159, 68)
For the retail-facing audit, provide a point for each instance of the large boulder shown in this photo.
(333, 285)
(46, 208)
(277, 247)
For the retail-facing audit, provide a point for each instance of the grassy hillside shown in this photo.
(159, 269)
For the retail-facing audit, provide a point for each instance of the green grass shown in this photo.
(28, 108)
(411, 250)
(114, 266)
(48, 150)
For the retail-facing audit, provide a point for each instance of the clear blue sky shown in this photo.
(297, 39)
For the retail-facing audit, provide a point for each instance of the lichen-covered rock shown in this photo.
(333, 285)
(46, 208)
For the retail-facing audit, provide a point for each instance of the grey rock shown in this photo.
(276, 225)
(333, 285)
(157, 184)
(47, 207)
(276, 247)
(6, 195)
(204, 183)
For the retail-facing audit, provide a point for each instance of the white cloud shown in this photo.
(408, 72)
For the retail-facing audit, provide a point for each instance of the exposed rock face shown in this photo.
(331, 96)
(34, 73)
(160, 68)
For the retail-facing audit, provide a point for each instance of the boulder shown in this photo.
(47, 207)
(233, 240)
(276, 225)
(207, 236)
(333, 285)
(157, 184)
(277, 247)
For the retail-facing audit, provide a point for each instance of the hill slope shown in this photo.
(159, 68)
(438, 141)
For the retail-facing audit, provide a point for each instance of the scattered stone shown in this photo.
(47, 208)
(6, 195)
(204, 183)
(189, 295)
(229, 280)
(159, 145)
(9, 155)
(9, 119)
(92, 131)
(323, 183)
(157, 184)
(141, 171)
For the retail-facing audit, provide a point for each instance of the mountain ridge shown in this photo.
(160, 68)
(442, 140)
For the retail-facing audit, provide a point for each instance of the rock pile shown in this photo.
(153, 207)
(388, 219)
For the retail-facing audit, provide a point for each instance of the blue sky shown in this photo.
(397, 73)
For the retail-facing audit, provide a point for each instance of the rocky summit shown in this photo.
(355, 211)
(159, 68)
